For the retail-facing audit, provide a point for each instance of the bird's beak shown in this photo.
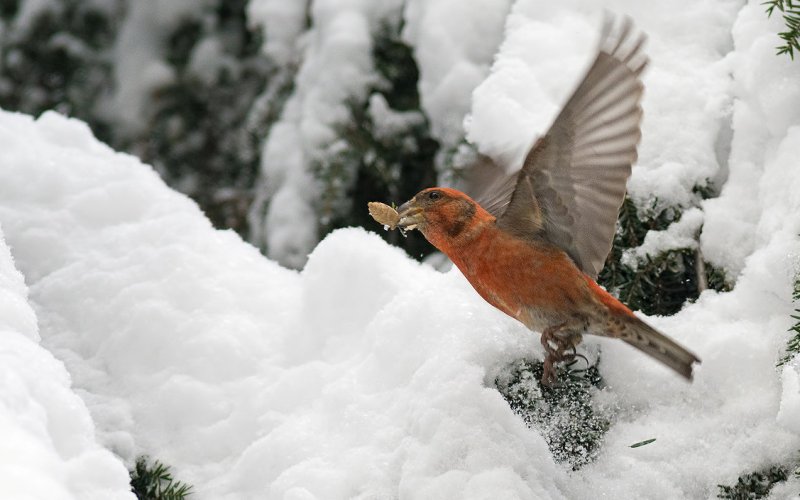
(410, 214)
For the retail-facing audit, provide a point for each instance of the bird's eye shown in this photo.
(434, 195)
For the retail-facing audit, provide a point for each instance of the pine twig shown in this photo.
(790, 12)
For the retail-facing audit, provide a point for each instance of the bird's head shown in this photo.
(441, 214)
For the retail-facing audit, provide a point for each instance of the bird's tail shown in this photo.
(654, 343)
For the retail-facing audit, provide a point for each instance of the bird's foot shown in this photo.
(554, 348)
(551, 343)
(552, 359)
(570, 360)
(558, 351)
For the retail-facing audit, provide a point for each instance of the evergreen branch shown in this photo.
(754, 484)
(363, 162)
(793, 346)
(564, 413)
(155, 482)
(790, 12)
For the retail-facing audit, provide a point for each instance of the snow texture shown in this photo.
(49, 449)
(454, 43)
(678, 236)
(761, 191)
(368, 375)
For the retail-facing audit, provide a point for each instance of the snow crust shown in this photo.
(368, 375)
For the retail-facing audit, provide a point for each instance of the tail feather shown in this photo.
(654, 343)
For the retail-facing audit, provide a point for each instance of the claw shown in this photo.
(572, 358)
(584, 358)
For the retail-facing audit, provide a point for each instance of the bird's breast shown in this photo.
(536, 284)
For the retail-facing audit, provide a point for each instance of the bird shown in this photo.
(532, 242)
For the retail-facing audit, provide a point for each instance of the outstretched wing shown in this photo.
(487, 183)
(572, 182)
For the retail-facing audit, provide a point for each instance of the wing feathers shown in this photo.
(611, 106)
(488, 184)
(574, 177)
(623, 130)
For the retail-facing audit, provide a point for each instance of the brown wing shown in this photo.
(487, 183)
(572, 182)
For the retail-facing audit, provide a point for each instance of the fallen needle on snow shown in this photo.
(642, 443)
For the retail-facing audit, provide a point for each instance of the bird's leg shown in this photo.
(550, 341)
(554, 347)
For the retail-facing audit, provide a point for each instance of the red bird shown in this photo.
(535, 241)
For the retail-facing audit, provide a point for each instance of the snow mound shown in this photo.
(48, 450)
(153, 312)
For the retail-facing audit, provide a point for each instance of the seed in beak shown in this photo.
(410, 216)
(384, 214)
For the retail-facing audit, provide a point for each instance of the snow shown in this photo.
(454, 43)
(336, 66)
(148, 335)
(282, 23)
(49, 449)
(389, 123)
(369, 375)
(139, 53)
(789, 412)
(766, 123)
(679, 235)
(208, 60)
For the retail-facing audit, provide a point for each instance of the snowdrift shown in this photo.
(49, 449)
(368, 375)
